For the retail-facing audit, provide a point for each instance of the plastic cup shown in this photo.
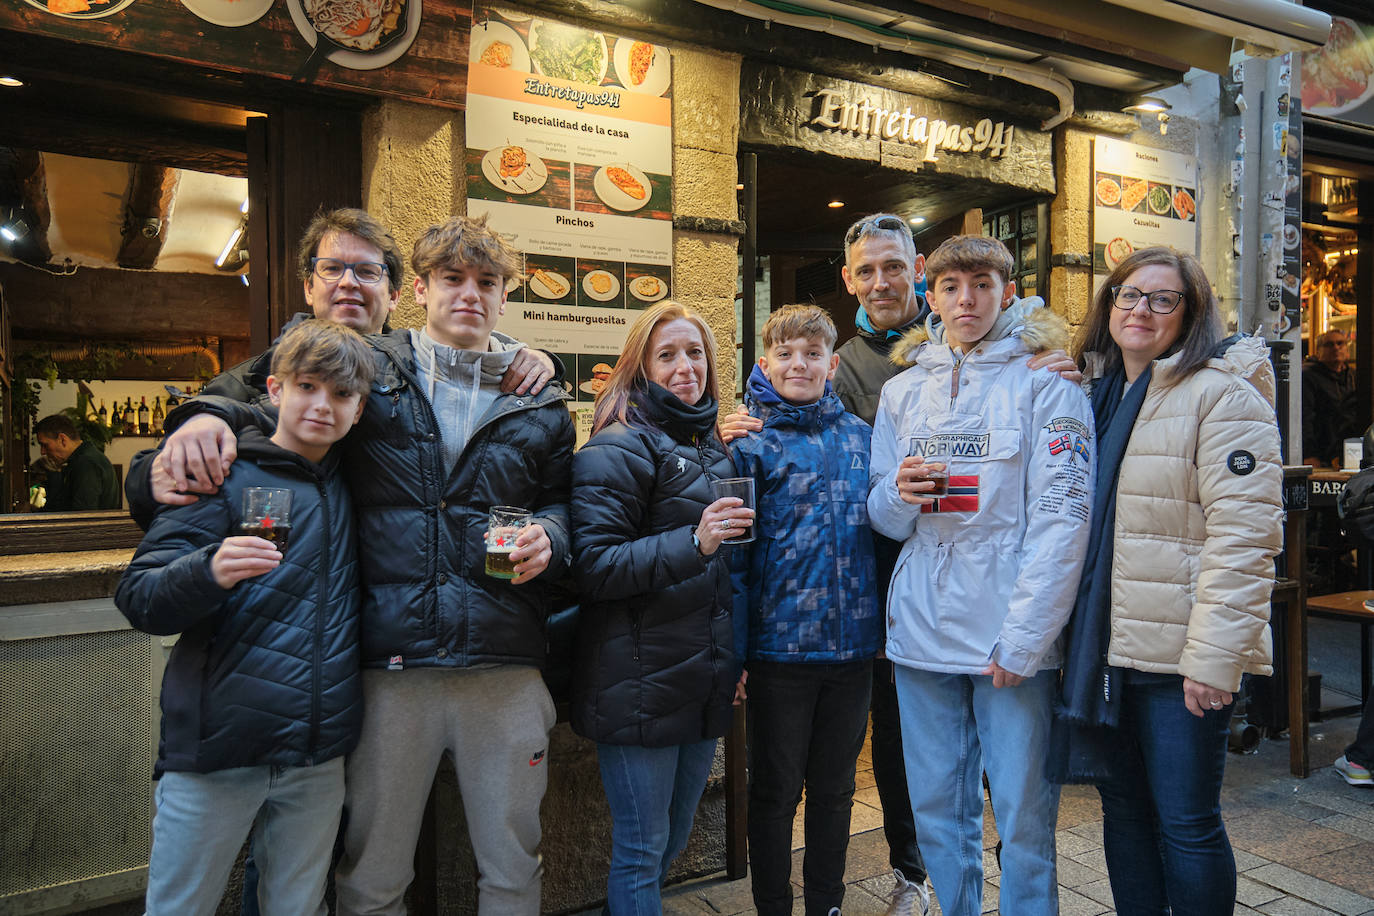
(503, 526)
(267, 514)
(741, 488)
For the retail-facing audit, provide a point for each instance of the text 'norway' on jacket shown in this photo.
(989, 572)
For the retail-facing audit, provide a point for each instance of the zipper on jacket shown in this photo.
(635, 620)
(954, 380)
(327, 562)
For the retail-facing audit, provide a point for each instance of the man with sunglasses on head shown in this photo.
(886, 274)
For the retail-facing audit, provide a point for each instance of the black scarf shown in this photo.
(684, 422)
(1089, 706)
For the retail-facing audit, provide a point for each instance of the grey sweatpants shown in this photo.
(496, 723)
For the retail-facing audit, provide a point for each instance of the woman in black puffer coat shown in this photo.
(656, 668)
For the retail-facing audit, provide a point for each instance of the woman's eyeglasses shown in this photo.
(1161, 301)
(332, 270)
(865, 226)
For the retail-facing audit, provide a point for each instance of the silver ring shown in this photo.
(1215, 704)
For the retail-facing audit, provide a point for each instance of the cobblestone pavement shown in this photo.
(1302, 846)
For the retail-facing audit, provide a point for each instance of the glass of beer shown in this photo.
(504, 524)
(267, 514)
(743, 488)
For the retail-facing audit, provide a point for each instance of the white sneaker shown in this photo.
(1353, 773)
(834, 911)
(909, 898)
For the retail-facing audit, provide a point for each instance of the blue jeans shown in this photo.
(202, 820)
(1165, 843)
(806, 728)
(653, 794)
(955, 727)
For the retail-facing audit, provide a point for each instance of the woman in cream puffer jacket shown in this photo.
(1174, 603)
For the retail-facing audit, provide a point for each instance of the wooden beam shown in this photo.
(126, 138)
(33, 192)
(121, 305)
(146, 209)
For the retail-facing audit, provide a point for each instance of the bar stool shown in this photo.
(1349, 606)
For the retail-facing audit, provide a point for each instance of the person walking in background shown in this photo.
(656, 671)
(1174, 604)
(1328, 408)
(813, 624)
(987, 572)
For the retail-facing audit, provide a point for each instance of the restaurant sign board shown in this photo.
(570, 152)
(797, 110)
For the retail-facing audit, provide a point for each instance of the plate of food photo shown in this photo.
(1133, 193)
(547, 284)
(622, 187)
(568, 53)
(1108, 192)
(648, 289)
(601, 374)
(363, 34)
(496, 45)
(642, 66)
(1116, 251)
(1159, 201)
(601, 285)
(1339, 76)
(514, 169)
(80, 9)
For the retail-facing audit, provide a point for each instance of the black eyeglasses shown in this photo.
(1160, 301)
(332, 269)
(865, 226)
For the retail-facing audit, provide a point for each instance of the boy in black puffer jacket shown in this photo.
(262, 696)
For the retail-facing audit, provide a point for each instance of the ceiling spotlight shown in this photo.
(835, 204)
(8, 234)
(917, 220)
(12, 225)
(11, 82)
(1148, 104)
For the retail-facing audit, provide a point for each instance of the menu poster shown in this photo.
(1338, 78)
(1142, 197)
(570, 152)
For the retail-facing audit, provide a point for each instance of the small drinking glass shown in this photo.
(503, 527)
(741, 488)
(267, 514)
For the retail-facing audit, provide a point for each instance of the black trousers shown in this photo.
(1362, 751)
(806, 728)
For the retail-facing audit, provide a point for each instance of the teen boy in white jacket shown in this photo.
(987, 574)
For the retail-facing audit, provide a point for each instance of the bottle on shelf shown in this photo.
(145, 425)
(158, 415)
(102, 415)
(130, 418)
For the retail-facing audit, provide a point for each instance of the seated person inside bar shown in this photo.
(79, 475)
(262, 696)
(1328, 395)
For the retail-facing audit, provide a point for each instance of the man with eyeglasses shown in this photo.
(451, 656)
(1328, 409)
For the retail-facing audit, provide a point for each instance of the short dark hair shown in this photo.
(338, 355)
(355, 222)
(1201, 331)
(464, 240)
(970, 253)
(50, 427)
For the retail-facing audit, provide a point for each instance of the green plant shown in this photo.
(94, 362)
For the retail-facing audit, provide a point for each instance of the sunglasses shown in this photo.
(865, 226)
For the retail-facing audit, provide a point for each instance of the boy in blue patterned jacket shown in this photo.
(813, 618)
